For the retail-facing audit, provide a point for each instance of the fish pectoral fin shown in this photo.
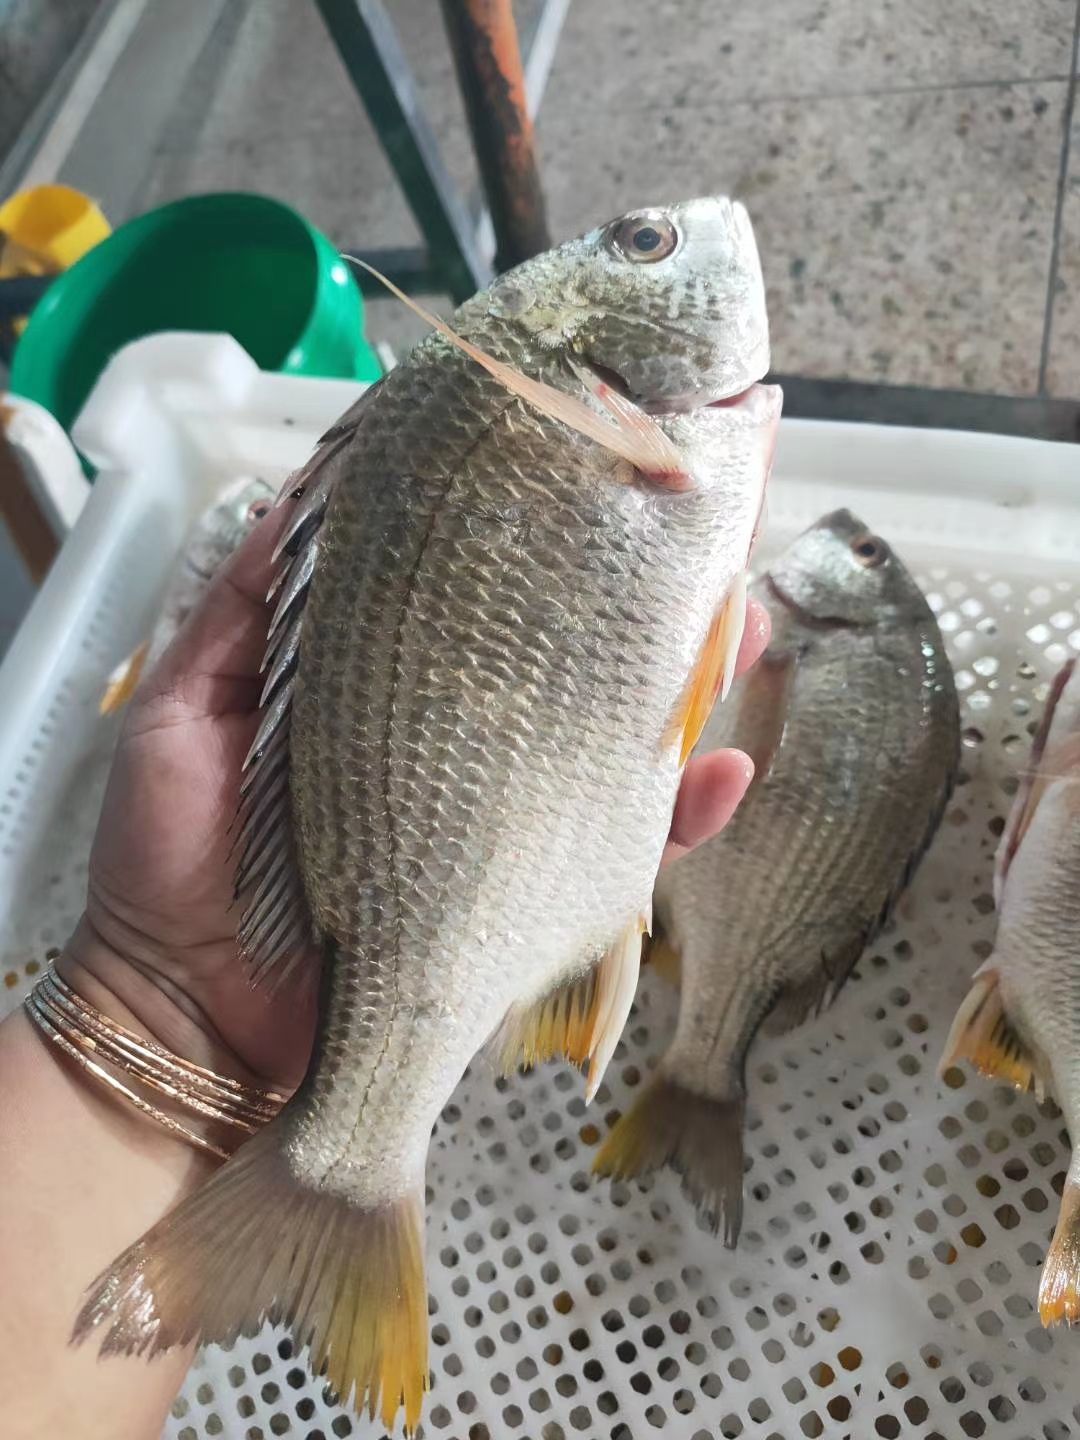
(123, 681)
(698, 1136)
(713, 673)
(1059, 1288)
(984, 1034)
(634, 435)
(581, 1020)
(256, 1243)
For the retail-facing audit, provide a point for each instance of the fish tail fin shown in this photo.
(1059, 1290)
(255, 1244)
(984, 1034)
(699, 1136)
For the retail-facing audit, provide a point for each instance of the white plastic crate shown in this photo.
(895, 1225)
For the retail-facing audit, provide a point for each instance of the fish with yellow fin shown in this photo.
(852, 723)
(510, 590)
(1018, 1022)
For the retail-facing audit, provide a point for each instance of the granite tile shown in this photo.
(1063, 357)
(626, 58)
(905, 238)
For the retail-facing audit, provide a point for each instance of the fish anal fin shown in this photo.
(812, 992)
(712, 673)
(122, 683)
(581, 1020)
(698, 1136)
(984, 1034)
(1059, 1289)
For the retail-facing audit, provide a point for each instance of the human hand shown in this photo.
(158, 940)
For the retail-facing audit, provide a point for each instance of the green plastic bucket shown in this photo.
(240, 264)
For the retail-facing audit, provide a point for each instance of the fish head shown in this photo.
(840, 571)
(235, 510)
(665, 303)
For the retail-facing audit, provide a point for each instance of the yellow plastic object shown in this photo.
(46, 229)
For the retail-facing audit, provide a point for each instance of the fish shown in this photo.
(1018, 1022)
(508, 598)
(216, 533)
(852, 724)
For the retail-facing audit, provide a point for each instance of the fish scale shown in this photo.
(505, 619)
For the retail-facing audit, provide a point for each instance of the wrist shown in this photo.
(138, 994)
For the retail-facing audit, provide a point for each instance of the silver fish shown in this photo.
(511, 593)
(852, 722)
(1020, 1022)
(212, 539)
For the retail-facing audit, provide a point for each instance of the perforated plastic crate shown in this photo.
(895, 1225)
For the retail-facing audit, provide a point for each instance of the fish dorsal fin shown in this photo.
(275, 926)
(713, 672)
(984, 1034)
(581, 1020)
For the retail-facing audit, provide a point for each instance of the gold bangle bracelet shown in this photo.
(87, 1036)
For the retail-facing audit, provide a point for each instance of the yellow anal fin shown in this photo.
(713, 673)
(662, 957)
(1059, 1289)
(632, 433)
(984, 1034)
(122, 682)
(580, 1021)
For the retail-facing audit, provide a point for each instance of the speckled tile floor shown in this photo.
(906, 162)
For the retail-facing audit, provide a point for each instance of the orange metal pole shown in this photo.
(484, 40)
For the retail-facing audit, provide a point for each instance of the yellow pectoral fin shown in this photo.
(123, 681)
(713, 673)
(634, 435)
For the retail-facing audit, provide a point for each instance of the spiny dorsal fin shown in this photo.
(275, 927)
(983, 1033)
(580, 1021)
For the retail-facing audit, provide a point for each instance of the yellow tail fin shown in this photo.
(1059, 1292)
(699, 1136)
(256, 1244)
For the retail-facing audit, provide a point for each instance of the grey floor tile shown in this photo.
(906, 238)
(1063, 358)
(626, 57)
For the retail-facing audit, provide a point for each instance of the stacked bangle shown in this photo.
(102, 1047)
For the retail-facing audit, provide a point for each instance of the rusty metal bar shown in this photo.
(484, 41)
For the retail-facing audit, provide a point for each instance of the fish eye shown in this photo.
(870, 551)
(643, 237)
(257, 509)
